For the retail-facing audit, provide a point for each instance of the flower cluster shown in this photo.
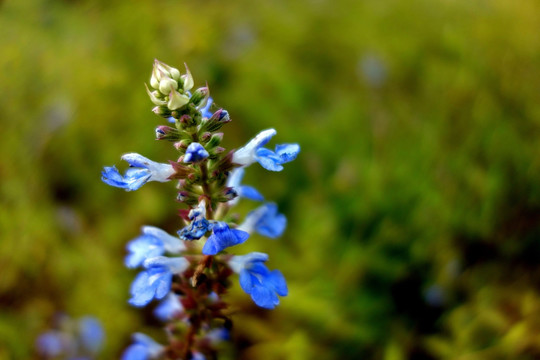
(188, 273)
(80, 339)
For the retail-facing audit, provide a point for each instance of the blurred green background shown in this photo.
(414, 207)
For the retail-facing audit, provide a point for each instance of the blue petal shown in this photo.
(169, 308)
(195, 153)
(205, 111)
(268, 159)
(136, 352)
(50, 344)
(195, 230)
(272, 226)
(141, 248)
(222, 238)
(246, 281)
(287, 152)
(264, 297)
(141, 292)
(278, 283)
(249, 192)
(91, 334)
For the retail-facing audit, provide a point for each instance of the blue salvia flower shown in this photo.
(91, 334)
(254, 151)
(52, 343)
(153, 242)
(140, 172)
(205, 111)
(195, 152)
(169, 308)
(143, 348)
(263, 285)
(249, 192)
(222, 238)
(78, 340)
(195, 230)
(155, 282)
(265, 220)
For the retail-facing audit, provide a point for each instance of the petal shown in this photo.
(171, 243)
(141, 248)
(287, 152)
(211, 246)
(278, 283)
(169, 308)
(249, 192)
(141, 290)
(135, 352)
(268, 159)
(264, 297)
(91, 334)
(246, 281)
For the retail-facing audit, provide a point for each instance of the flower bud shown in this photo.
(187, 80)
(182, 145)
(154, 97)
(216, 121)
(167, 133)
(200, 96)
(166, 85)
(162, 111)
(176, 100)
(215, 140)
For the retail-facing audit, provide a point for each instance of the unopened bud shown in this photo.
(182, 145)
(167, 133)
(166, 85)
(216, 121)
(187, 79)
(205, 137)
(200, 96)
(154, 97)
(215, 140)
(163, 70)
(162, 111)
(176, 100)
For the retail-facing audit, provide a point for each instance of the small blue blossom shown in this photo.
(140, 172)
(205, 111)
(169, 308)
(223, 237)
(51, 343)
(155, 282)
(143, 348)
(263, 285)
(234, 181)
(91, 334)
(266, 221)
(270, 160)
(153, 242)
(195, 152)
(195, 230)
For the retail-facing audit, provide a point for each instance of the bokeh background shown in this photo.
(414, 207)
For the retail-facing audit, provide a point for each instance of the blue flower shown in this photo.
(143, 348)
(91, 334)
(263, 285)
(155, 282)
(51, 343)
(266, 221)
(140, 172)
(195, 152)
(249, 192)
(205, 111)
(270, 160)
(153, 242)
(195, 230)
(223, 237)
(169, 308)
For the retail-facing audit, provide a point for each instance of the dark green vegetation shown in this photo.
(414, 207)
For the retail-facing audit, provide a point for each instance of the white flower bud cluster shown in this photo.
(169, 89)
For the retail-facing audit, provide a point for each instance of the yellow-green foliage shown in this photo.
(414, 207)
